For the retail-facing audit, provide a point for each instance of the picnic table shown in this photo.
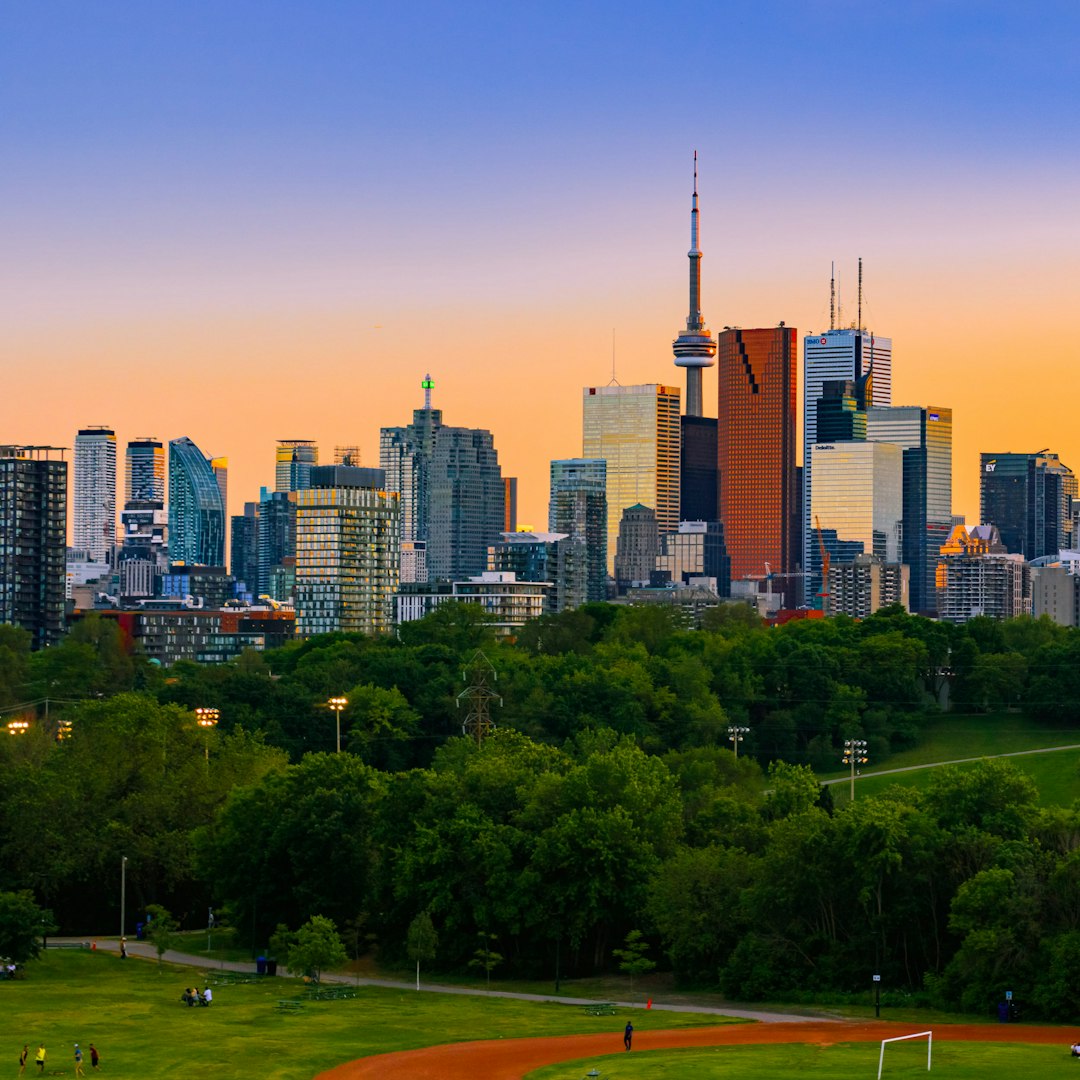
(290, 1005)
(600, 1008)
(330, 993)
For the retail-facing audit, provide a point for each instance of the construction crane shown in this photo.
(825, 560)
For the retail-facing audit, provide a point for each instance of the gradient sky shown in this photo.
(248, 221)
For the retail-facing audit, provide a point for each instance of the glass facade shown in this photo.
(1029, 498)
(925, 434)
(295, 457)
(94, 503)
(347, 544)
(699, 491)
(144, 471)
(837, 354)
(196, 507)
(858, 497)
(578, 508)
(696, 550)
(275, 536)
(33, 530)
(757, 372)
(637, 431)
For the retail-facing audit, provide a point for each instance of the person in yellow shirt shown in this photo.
(40, 1059)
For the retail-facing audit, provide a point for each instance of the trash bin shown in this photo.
(1003, 1012)
(260, 966)
(271, 966)
(139, 931)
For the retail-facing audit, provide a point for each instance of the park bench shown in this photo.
(290, 1005)
(600, 1008)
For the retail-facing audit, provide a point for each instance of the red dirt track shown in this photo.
(511, 1059)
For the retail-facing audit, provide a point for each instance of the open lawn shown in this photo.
(131, 1011)
(903, 1061)
(954, 737)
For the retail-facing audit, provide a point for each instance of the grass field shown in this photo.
(953, 737)
(131, 1011)
(903, 1061)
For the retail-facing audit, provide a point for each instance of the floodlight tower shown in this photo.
(695, 348)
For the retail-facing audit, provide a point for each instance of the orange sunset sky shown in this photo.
(272, 222)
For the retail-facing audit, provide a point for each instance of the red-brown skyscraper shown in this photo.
(757, 372)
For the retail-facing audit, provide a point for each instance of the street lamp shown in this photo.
(63, 730)
(736, 735)
(854, 754)
(338, 704)
(123, 903)
(18, 727)
(207, 719)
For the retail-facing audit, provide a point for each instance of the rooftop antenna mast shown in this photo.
(428, 384)
(614, 381)
(832, 297)
(860, 294)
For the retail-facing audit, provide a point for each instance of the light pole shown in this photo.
(338, 704)
(854, 754)
(123, 896)
(18, 727)
(736, 735)
(207, 719)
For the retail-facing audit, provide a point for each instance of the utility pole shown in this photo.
(479, 695)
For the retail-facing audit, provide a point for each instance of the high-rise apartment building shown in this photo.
(347, 545)
(196, 506)
(275, 536)
(858, 499)
(244, 547)
(757, 373)
(925, 436)
(977, 576)
(451, 490)
(144, 471)
(33, 529)
(636, 430)
(860, 356)
(1029, 498)
(865, 585)
(535, 556)
(578, 507)
(295, 458)
(94, 483)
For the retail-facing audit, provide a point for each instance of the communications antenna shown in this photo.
(832, 297)
(478, 695)
(860, 294)
(614, 381)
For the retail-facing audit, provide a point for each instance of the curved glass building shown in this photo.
(196, 507)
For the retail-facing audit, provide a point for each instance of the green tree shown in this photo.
(22, 926)
(160, 929)
(631, 957)
(423, 941)
(317, 947)
(485, 958)
(381, 726)
(794, 788)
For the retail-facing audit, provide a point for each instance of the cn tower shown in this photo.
(694, 348)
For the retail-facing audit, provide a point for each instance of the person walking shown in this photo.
(123, 948)
(78, 1061)
(95, 1057)
(628, 1035)
(22, 1058)
(40, 1059)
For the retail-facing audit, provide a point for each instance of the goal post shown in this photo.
(928, 1035)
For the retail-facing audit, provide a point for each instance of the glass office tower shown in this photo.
(925, 435)
(1029, 498)
(578, 508)
(858, 497)
(757, 372)
(637, 431)
(196, 507)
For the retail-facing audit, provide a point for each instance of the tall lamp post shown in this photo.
(18, 727)
(854, 754)
(207, 719)
(736, 735)
(123, 896)
(338, 704)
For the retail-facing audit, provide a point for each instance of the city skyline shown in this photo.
(247, 217)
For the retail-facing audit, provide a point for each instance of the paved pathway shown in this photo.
(145, 950)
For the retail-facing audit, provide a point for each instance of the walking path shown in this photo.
(145, 950)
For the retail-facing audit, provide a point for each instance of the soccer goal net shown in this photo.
(927, 1035)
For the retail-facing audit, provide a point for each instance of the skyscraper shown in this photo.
(144, 471)
(33, 528)
(451, 489)
(637, 546)
(94, 505)
(578, 508)
(244, 547)
(925, 435)
(196, 507)
(347, 546)
(636, 430)
(1029, 498)
(858, 498)
(856, 355)
(756, 448)
(295, 457)
(275, 536)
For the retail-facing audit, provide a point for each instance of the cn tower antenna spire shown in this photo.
(695, 348)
